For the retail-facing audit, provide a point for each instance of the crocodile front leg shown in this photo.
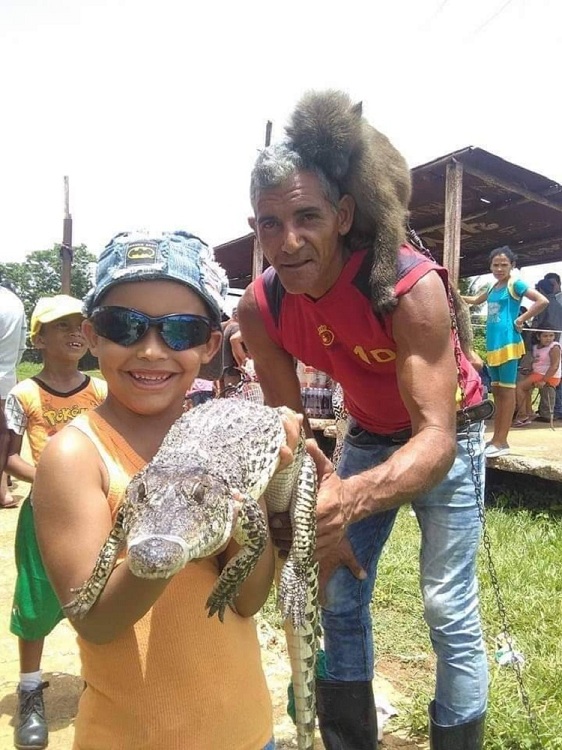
(251, 533)
(88, 594)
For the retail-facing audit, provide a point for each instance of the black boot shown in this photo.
(31, 732)
(346, 714)
(469, 736)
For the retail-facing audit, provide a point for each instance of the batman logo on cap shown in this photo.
(141, 252)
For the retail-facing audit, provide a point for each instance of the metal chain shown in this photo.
(477, 481)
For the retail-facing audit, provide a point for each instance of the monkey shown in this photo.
(327, 130)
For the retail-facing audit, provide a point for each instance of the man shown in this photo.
(12, 346)
(399, 376)
(555, 279)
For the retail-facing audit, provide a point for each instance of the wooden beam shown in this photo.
(257, 260)
(513, 187)
(257, 255)
(492, 208)
(66, 247)
(453, 216)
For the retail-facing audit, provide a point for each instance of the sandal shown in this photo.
(12, 503)
(523, 422)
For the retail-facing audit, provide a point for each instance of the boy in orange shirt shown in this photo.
(160, 674)
(41, 406)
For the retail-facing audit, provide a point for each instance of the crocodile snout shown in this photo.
(157, 556)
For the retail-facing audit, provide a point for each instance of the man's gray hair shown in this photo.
(277, 163)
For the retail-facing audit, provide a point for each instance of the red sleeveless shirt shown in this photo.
(339, 334)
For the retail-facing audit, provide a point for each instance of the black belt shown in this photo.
(465, 417)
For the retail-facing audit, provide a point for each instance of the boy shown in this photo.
(41, 406)
(160, 674)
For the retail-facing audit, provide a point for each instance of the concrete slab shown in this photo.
(535, 449)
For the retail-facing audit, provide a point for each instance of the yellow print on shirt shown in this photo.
(54, 417)
(378, 355)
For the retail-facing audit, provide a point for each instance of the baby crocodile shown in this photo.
(218, 459)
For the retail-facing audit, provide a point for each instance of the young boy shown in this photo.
(160, 674)
(41, 406)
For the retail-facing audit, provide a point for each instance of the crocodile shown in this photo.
(202, 488)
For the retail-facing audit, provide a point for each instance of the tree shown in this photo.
(40, 275)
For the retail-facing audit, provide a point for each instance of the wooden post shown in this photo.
(257, 254)
(453, 215)
(66, 247)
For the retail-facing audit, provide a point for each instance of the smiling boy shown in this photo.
(160, 674)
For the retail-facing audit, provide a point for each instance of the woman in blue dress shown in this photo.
(504, 343)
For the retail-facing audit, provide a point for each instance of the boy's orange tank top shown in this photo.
(177, 679)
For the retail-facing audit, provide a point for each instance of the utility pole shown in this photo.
(66, 247)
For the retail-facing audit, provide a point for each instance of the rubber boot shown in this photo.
(346, 715)
(469, 736)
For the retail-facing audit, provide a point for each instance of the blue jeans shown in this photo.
(270, 745)
(450, 533)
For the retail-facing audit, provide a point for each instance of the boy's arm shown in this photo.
(73, 520)
(16, 466)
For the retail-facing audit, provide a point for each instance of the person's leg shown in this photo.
(558, 402)
(522, 394)
(503, 389)
(35, 612)
(547, 402)
(345, 701)
(450, 524)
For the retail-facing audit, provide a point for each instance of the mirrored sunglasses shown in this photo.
(125, 326)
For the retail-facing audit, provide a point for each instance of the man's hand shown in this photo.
(333, 514)
(238, 351)
(324, 467)
(292, 422)
(341, 554)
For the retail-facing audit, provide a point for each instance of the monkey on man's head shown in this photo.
(329, 131)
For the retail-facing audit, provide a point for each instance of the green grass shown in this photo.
(526, 548)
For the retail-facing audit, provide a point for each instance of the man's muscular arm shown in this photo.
(276, 372)
(426, 372)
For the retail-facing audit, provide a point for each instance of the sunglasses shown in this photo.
(125, 326)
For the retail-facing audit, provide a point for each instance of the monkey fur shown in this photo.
(327, 130)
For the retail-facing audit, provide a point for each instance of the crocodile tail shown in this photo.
(325, 129)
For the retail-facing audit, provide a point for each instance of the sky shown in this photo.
(155, 110)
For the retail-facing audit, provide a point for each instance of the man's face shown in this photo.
(301, 233)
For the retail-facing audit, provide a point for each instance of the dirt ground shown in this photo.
(61, 666)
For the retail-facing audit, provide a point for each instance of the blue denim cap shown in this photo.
(177, 256)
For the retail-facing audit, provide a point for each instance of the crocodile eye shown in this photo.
(199, 492)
